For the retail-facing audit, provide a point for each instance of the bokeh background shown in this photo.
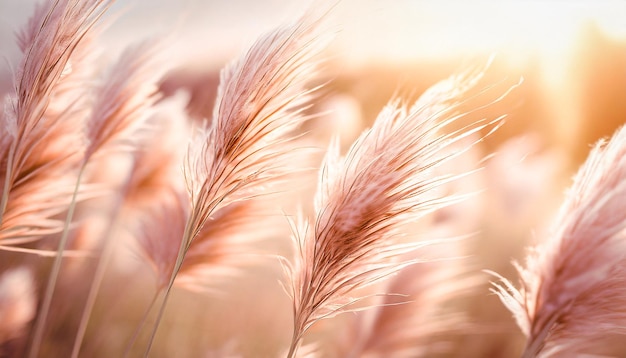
(571, 56)
(570, 53)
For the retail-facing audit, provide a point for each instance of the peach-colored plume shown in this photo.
(123, 98)
(384, 181)
(248, 145)
(43, 118)
(572, 292)
(260, 101)
(158, 158)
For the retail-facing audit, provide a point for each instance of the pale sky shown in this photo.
(215, 30)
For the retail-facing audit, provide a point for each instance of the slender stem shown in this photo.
(54, 273)
(182, 250)
(536, 342)
(141, 324)
(107, 252)
(534, 346)
(93, 293)
(295, 344)
(158, 320)
(529, 351)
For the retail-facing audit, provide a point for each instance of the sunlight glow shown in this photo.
(429, 29)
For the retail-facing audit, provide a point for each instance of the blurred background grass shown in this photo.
(571, 55)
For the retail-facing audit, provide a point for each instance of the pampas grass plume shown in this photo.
(247, 147)
(43, 120)
(364, 198)
(572, 292)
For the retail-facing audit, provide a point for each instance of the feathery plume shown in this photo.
(384, 181)
(260, 101)
(156, 162)
(45, 147)
(572, 290)
(248, 145)
(123, 99)
(42, 119)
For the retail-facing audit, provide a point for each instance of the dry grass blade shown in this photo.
(384, 181)
(572, 292)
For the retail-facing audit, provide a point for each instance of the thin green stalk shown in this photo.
(40, 323)
(141, 324)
